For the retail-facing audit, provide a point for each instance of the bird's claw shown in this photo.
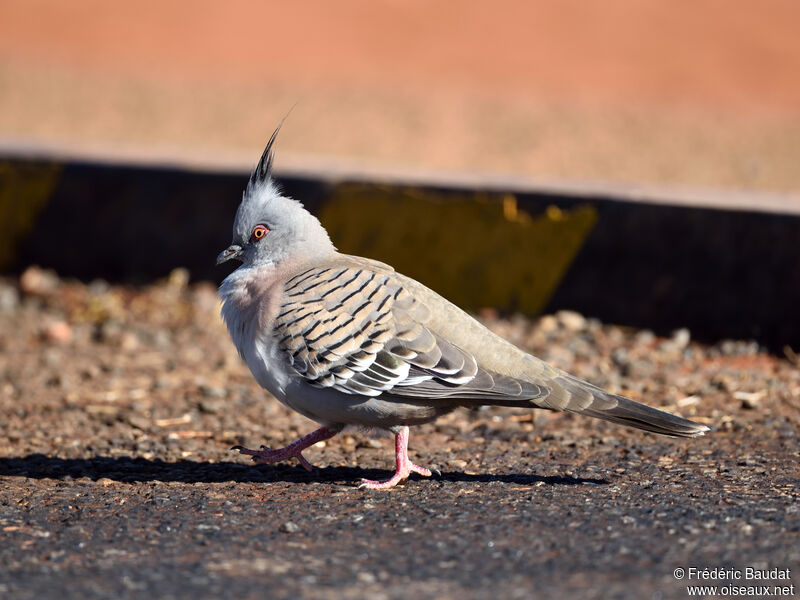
(293, 450)
(266, 455)
(399, 478)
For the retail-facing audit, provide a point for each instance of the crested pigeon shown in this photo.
(346, 340)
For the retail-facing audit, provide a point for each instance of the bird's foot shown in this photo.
(294, 450)
(266, 455)
(404, 466)
(400, 476)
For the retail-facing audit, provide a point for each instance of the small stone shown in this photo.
(106, 332)
(129, 341)
(57, 331)
(161, 339)
(9, 297)
(140, 422)
(289, 527)
(723, 382)
(178, 279)
(36, 281)
(366, 578)
(98, 287)
(51, 357)
(571, 320)
(645, 337)
(210, 391)
(212, 406)
(370, 443)
(620, 357)
(738, 348)
(548, 324)
(677, 342)
(750, 400)
(681, 338)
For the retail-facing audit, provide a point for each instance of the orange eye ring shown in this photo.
(259, 231)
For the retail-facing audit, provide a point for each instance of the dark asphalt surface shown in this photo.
(116, 480)
(597, 522)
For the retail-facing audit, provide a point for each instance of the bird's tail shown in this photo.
(624, 411)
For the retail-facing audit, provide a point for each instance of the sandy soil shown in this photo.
(696, 94)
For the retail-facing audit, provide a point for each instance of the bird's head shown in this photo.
(269, 227)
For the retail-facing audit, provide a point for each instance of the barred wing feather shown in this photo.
(361, 332)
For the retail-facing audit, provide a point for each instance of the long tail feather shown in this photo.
(624, 411)
(641, 416)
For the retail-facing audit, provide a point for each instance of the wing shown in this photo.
(359, 331)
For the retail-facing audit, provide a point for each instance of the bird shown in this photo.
(349, 341)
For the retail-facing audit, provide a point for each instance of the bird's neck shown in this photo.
(315, 241)
(244, 294)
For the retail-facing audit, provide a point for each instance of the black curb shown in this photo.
(722, 273)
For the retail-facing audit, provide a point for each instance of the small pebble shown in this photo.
(571, 320)
(289, 527)
(9, 297)
(58, 332)
(36, 281)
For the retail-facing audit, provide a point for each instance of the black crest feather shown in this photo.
(264, 167)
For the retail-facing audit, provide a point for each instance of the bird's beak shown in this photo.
(232, 251)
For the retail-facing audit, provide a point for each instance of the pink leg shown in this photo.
(293, 450)
(404, 466)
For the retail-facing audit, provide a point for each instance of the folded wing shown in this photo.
(360, 332)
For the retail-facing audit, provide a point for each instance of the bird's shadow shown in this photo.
(134, 470)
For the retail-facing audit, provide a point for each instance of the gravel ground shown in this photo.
(119, 407)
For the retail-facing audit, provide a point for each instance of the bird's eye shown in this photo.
(259, 231)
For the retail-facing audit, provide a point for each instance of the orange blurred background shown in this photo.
(700, 93)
